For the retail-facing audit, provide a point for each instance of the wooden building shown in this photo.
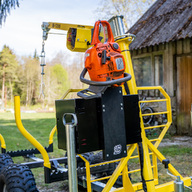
(162, 55)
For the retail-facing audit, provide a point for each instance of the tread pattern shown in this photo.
(18, 178)
(5, 160)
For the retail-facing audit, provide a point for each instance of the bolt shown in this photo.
(120, 91)
(121, 104)
(103, 105)
(121, 108)
(85, 40)
(77, 39)
(124, 151)
(107, 155)
(103, 110)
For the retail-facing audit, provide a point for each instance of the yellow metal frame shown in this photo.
(27, 135)
(52, 134)
(2, 140)
(151, 153)
(120, 170)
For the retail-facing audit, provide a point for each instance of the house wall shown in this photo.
(171, 52)
(184, 86)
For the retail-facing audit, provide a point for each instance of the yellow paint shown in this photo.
(83, 35)
(2, 140)
(67, 26)
(124, 45)
(52, 134)
(88, 173)
(27, 135)
(150, 171)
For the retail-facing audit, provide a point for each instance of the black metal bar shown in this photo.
(28, 151)
(36, 164)
(56, 175)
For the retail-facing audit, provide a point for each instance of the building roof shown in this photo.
(165, 21)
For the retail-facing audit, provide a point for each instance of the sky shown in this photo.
(22, 30)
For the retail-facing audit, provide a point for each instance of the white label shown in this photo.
(117, 149)
(119, 63)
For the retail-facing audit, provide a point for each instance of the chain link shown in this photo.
(42, 64)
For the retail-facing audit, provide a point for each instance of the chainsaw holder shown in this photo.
(107, 123)
(97, 88)
(102, 108)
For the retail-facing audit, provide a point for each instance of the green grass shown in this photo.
(176, 150)
(40, 125)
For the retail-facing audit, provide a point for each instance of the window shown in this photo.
(142, 70)
(148, 70)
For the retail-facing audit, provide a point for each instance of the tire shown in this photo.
(94, 158)
(5, 160)
(17, 178)
(147, 120)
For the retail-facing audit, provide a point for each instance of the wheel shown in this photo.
(147, 120)
(5, 160)
(94, 158)
(17, 178)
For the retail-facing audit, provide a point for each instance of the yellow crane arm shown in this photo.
(66, 26)
(78, 36)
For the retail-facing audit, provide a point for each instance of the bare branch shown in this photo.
(131, 10)
(5, 7)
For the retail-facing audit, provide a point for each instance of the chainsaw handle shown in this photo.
(95, 38)
(126, 77)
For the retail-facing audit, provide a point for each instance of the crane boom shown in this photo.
(78, 36)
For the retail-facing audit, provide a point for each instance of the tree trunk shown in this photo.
(11, 90)
(3, 88)
(5, 101)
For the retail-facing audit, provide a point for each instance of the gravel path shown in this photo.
(177, 140)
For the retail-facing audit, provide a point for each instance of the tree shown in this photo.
(5, 7)
(35, 56)
(130, 9)
(59, 80)
(8, 64)
(30, 79)
(74, 70)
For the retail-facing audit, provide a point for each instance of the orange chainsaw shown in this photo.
(104, 62)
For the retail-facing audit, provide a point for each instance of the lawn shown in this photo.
(40, 125)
